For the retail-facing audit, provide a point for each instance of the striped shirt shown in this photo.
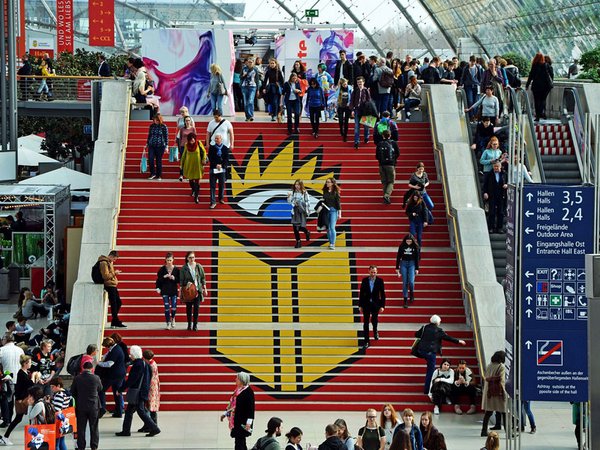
(61, 400)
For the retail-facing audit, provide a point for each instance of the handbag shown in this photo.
(189, 293)
(144, 162)
(173, 154)
(133, 394)
(221, 88)
(414, 349)
(21, 406)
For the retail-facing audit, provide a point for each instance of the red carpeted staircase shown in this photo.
(288, 316)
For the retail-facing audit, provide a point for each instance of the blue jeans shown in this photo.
(61, 444)
(249, 92)
(170, 302)
(333, 217)
(383, 101)
(293, 107)
(357, 129)
(416, 229)
(407, 269)
(411, 103)
(471, 92)
(274, 99)
(527, 410)
(216, 102)
(430, 357)
(155, 156)
(213, 178)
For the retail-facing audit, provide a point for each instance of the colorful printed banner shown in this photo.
(66, 422)
(64, 26)
(102, 23)
(40, 437)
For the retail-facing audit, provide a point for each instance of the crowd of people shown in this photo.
(33, 367)
(384, 430)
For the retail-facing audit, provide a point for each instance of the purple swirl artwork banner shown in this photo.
(179, 62)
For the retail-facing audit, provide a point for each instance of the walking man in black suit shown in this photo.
(86, 390)
(371, 302)
(494, 191)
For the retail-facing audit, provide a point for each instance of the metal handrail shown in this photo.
(461, 96)
(579, 123)
(59, 87)
(523, 107)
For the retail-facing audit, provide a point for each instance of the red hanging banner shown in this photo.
(102, 23)
(64, 26)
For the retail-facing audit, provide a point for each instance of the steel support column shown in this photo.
(414, 25)
(360, 26)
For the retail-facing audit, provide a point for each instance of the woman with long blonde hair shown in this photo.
(216, 88)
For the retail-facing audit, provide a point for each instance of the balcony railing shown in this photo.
(61, 88)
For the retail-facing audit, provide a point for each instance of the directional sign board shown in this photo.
(558, 225)
(311, 12)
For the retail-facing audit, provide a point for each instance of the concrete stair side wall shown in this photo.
(487, 305)
(89, 304)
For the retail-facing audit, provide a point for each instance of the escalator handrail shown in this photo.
(523, 106)
(579, 110)
(461, 96)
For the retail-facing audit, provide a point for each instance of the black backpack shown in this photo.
(386, 80)
(96, 274)
(74, 365)
(385, 153)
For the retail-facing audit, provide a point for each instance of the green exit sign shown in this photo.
(311, 12)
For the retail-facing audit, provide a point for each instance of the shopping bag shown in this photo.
(368, 121)
(173, 154)
(40, 437)
(66, 422)
(144, 162)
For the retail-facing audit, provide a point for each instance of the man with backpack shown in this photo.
(269, 442)
(104, 273)
(387, 154)
(383, 79)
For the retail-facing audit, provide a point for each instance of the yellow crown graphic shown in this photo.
(283, 166)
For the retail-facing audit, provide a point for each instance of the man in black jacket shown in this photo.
(343, 69)
(494, 191)
(86, 389)
(371, 302)
(103, 67)
(430, 345)
(24, 70)
(332, 441)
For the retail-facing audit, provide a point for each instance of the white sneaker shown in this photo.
(332, 247)
(436, 410)
(448, 401)
(173, 323)
(5, 441)
(168, 327)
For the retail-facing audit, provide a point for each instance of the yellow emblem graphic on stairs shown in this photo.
(286, 317)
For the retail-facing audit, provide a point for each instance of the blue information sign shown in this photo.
(87, 129)
(557, 232)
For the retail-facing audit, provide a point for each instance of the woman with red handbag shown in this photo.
(193, 288)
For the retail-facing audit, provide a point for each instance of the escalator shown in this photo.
(558, 153)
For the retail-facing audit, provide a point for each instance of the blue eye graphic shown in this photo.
(270, 204)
